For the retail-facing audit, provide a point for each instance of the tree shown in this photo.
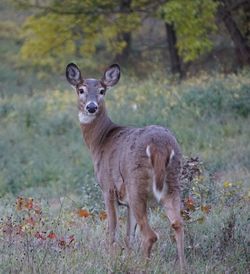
(175, 59)
(125, 7)
(240, 42)
(60, 30)
(194, 22)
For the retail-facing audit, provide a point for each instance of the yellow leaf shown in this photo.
(227, 184)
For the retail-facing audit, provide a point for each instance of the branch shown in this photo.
(148, 8)
(63, 11)
(239, 4)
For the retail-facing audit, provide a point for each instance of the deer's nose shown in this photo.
(91, 107)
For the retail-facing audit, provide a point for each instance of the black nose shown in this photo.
(91, 107)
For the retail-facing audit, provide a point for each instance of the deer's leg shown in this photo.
(111, 207)
(131, 227)
(172, 207)
(139, 206)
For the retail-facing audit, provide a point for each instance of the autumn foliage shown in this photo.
(30, 221)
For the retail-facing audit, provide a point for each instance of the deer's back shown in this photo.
(123, 157)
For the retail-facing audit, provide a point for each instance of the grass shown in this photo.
(42, 156)
(41, 144)
(58, 240)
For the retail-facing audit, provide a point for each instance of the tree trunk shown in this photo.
(240, 42)
(125, 7)
(123, 56)
(175, 60)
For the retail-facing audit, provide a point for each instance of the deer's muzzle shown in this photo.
(91, 107)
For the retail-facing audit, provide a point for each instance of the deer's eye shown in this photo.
(81, 90)
(102, 91)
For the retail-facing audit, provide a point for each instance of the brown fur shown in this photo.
(126, 173)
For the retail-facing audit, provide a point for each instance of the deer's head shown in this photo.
(91, 92)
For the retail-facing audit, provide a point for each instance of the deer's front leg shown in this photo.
(111, 208)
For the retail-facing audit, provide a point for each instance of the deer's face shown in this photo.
(90, 99)
(91, 92)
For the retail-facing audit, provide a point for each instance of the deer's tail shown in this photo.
(159, 160)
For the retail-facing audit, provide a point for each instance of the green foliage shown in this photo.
(194, 22)
(84, 29)
(75, 29)
(47, 38)
(225, 96)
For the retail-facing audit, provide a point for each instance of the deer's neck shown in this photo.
(96, 133)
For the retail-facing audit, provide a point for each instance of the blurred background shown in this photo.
(171, 36)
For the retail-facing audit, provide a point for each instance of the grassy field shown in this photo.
(63, 229)
(52, 213)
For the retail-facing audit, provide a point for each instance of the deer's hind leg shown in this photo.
(131, 227)
(138, 203)
(172, 205)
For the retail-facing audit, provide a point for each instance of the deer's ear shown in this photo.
(111, 75)
(73, 74)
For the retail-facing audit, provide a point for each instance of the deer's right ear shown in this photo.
(73, 74)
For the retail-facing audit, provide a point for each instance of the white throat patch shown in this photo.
(84, 118)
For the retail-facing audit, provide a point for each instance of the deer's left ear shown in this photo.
(111, 75)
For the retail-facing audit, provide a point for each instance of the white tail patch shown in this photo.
(159, 195)
(157, 235)
(171, 155)
(148, 151)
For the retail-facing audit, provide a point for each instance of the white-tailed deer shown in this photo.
(129, 163)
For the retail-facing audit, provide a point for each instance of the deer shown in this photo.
(130, 164)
